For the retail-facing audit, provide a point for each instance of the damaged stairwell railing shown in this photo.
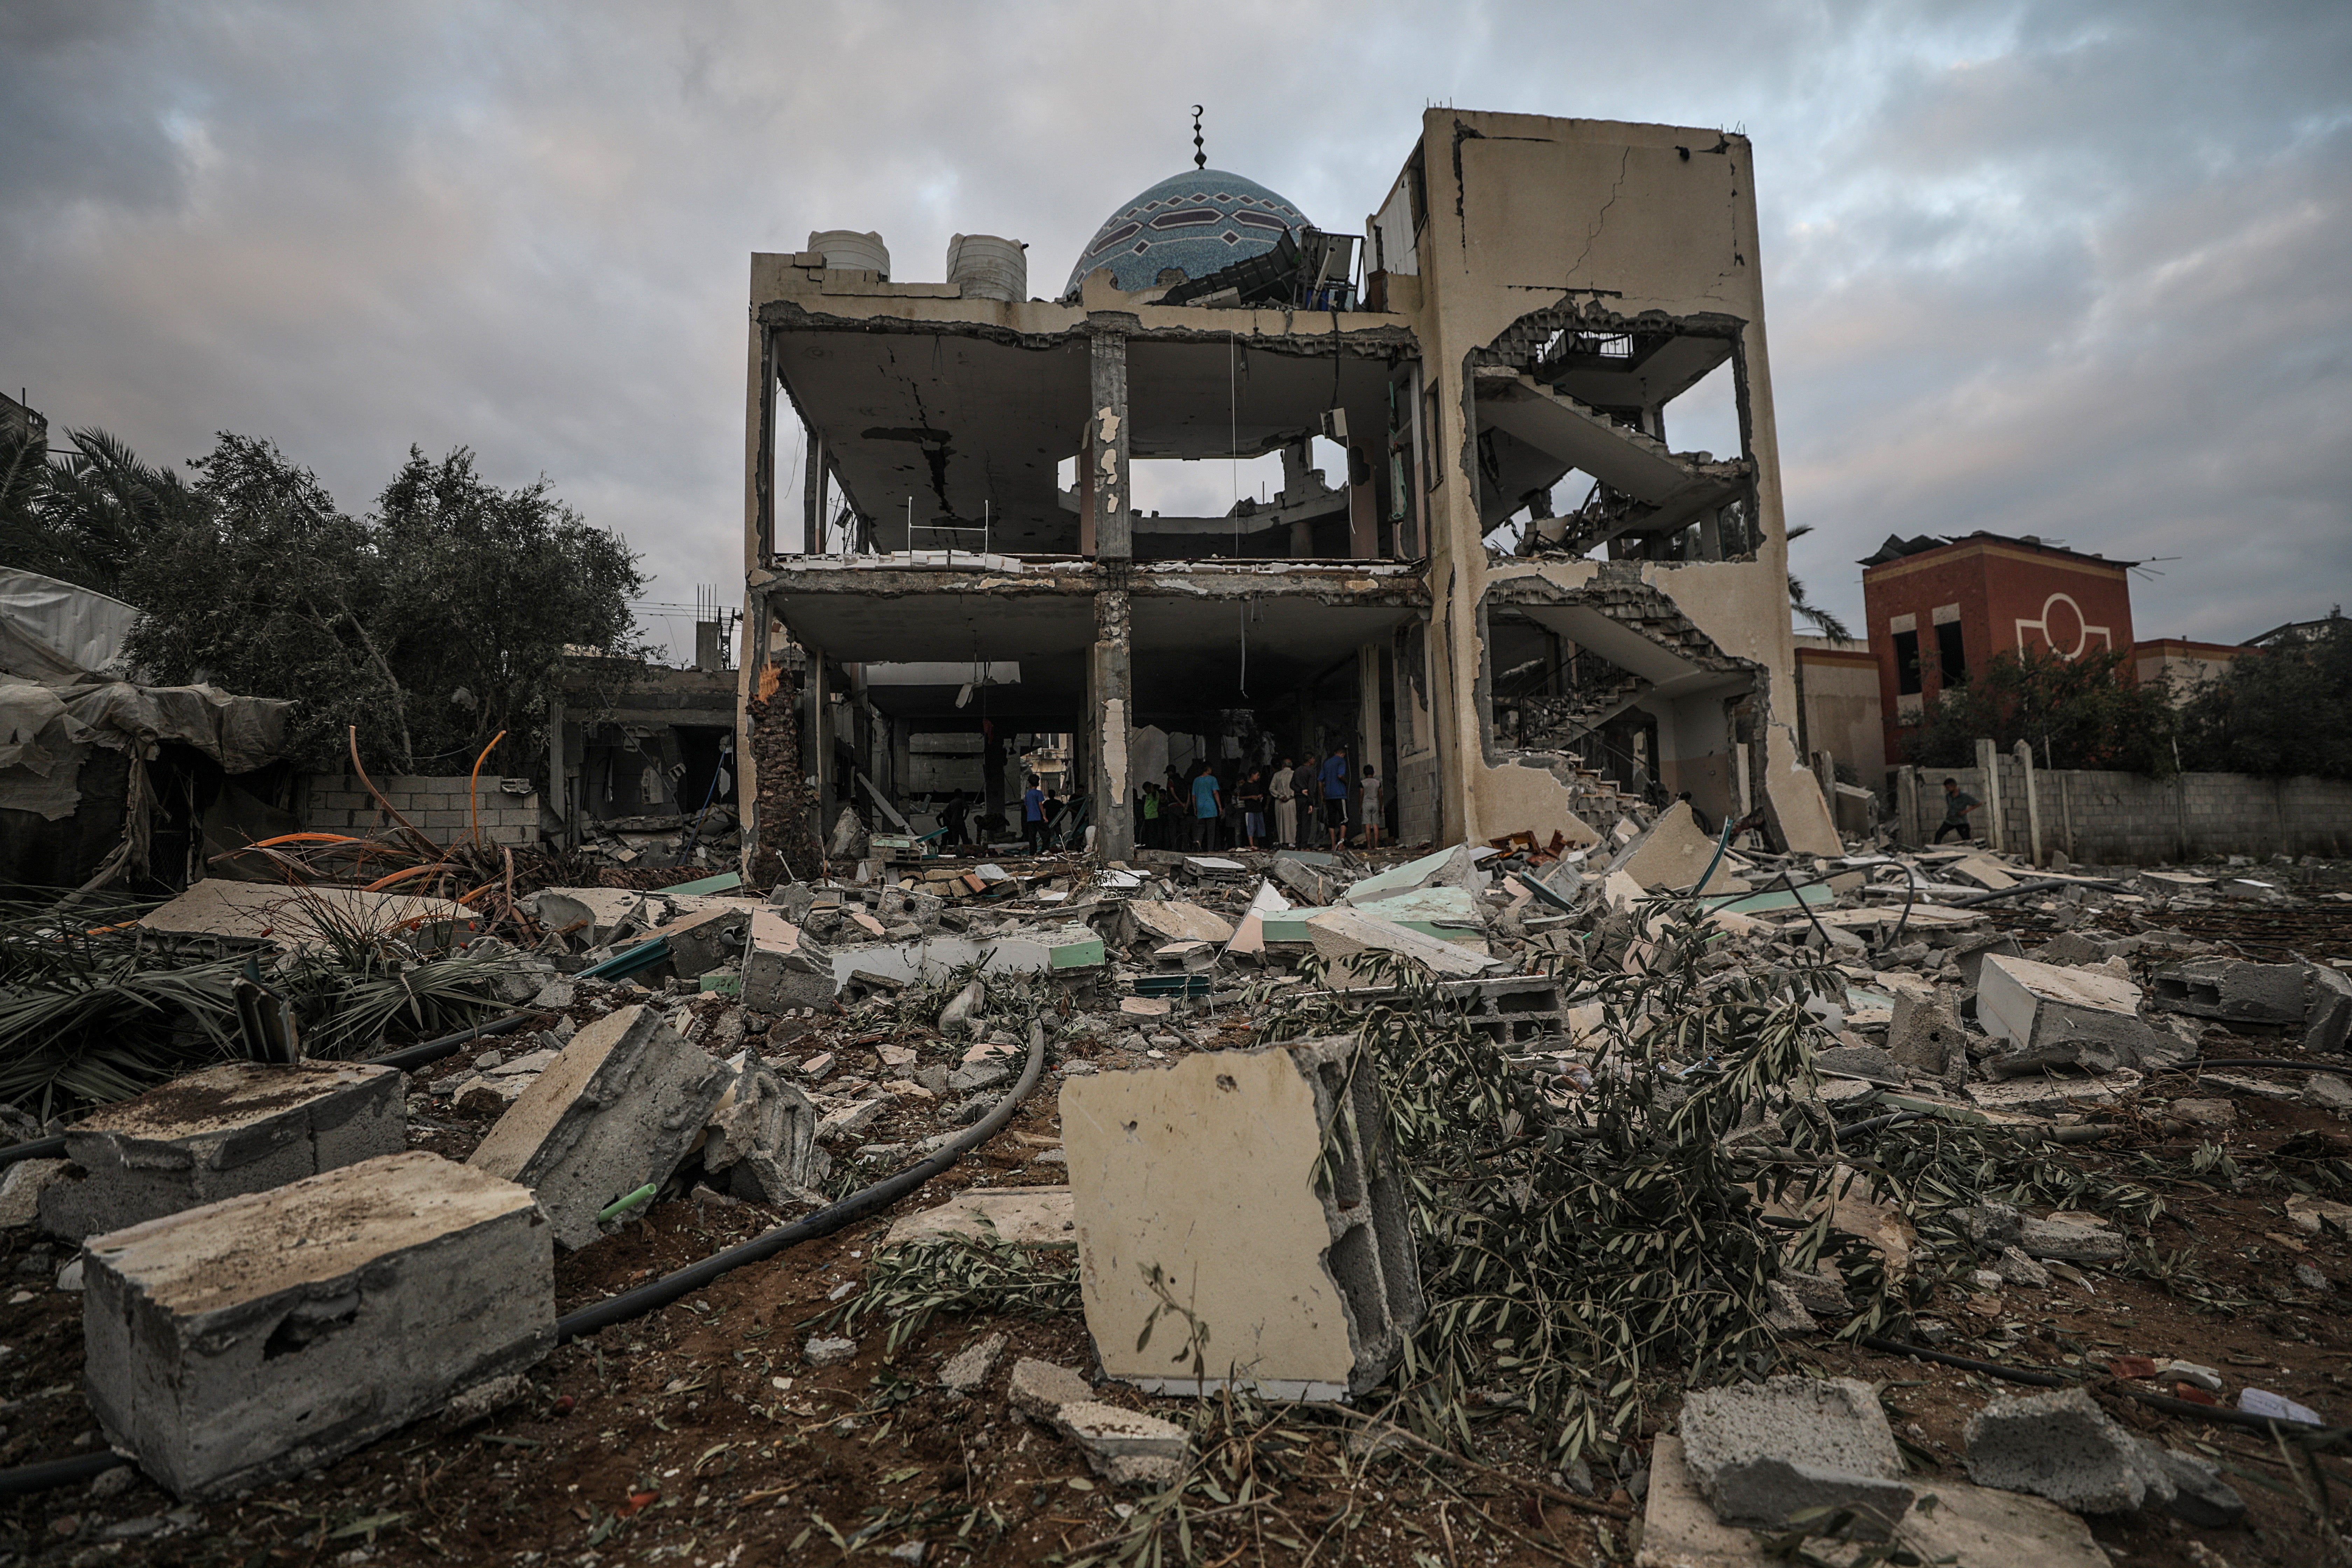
(949, 527)
(657, 1293)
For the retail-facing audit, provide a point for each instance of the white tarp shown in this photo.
(52, 631)
(45, 731)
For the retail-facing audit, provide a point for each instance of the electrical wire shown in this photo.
(659, 1293)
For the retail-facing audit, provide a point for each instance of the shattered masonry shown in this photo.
(1535, 314)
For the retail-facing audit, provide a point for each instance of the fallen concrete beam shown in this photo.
(1258, 1189)
(269, 1333)
(619, 1108)
(240, 1128)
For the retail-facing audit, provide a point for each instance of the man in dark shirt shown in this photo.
(1957, 807)
(1032, 815)
(1334, 776)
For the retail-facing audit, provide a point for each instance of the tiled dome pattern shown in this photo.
(1199, 222)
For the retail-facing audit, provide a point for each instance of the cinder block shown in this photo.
(2231, 990)
(240, 1128)
(618, 1108)
(2050, 1017)
(270, 1333)
(1260, 1186)
(1764, 1451)
(437, 817)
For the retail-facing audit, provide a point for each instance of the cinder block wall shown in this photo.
(2123, 819)
(335, 802)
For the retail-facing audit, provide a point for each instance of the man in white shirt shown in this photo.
(1284, 789)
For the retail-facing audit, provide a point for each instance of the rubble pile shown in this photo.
(1659, 1152)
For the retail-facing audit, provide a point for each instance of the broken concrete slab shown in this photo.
(2199, 1494)
(1345, 939)
(271, 1332)
(1316, 886)
(243, 915)
(704, 940)
(240, 1128)
(1041, 1388)
(1262, 1185)
(2327, 1024)
(21, 1189)
(1026, 1216)
(2062, 1446)
(1454, 869)
(1763, 1451)
(592, 917)
(1124, 1447)
(1924, 1033)
(2053, 1017)
(1175, 920)
(1669, 855)
(2048, 1096)
(969, 1367)
(1971, 1527)
(2231, 990)
(623, 1105)
(762, 1138)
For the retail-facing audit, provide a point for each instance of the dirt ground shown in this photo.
(700, 1434)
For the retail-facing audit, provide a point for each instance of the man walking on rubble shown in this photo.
(1957, 807)
(1284, 788)
(1334, 778)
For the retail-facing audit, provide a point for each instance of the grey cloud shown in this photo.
(2068, 269)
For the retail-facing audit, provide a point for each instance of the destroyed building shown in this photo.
(1518, 320)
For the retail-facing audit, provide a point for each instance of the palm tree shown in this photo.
(1824, 621)
(87, 516)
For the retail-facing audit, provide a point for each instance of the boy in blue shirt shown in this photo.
(1206, 806)
(1032, 815)
(1335, 793)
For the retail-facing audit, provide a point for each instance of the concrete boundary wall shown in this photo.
(335, 802)
(2114, 818)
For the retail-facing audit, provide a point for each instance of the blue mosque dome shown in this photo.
(1199, 222)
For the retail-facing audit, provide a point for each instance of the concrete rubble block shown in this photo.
(1970, 1526)
(268, 1333)
(1346, 938)
(620, 1107)
(2327, 1024)
(1123, 1446)
(705, 940)
(1969, 949)
(2199, 1494)
(1041, 1388)
(2231, 990)
(1455, 867)
(1924, 1033)
(780, 980)
(591, 917)
(2322, 1090)
(1261, 1186)
(2080, 1238)
(2062, 1446)
(1669, 855)
(763, 1137)
(239, 1127)
(21, 1189)
(1174, 920)
(961, 1016)
(1867, 1062)
(1026, 1216)
(968, 1368)
(1316, 887)
(1763, 1451)
(2053, 1017)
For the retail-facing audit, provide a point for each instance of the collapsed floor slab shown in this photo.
(269, 1333)
(240, 1128)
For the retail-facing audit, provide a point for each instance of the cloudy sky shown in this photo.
(2084, 270)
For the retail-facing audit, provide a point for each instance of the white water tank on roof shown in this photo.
(846, 250)
(988, 267)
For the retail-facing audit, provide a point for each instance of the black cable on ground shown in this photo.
(661, 1292)
(55, 1473)
(2219, 1414)
(408, 1058)
(1975, 898)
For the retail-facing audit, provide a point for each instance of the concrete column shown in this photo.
(812, 496)
(2032, 804)
(1112, 685)
(1989, 765)
(1107, 444)
(1906, 806)
(991, 775)
(1364, 507)
(558, 794)
(1742, 795)
(763, 461)
(1368, 719)
(1085, 489)
(902, 761)
(816, 741)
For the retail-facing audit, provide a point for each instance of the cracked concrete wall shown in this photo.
(1525, 213)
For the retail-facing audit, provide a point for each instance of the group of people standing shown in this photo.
(1197, 811)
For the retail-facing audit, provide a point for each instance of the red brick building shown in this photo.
(1937, 610)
